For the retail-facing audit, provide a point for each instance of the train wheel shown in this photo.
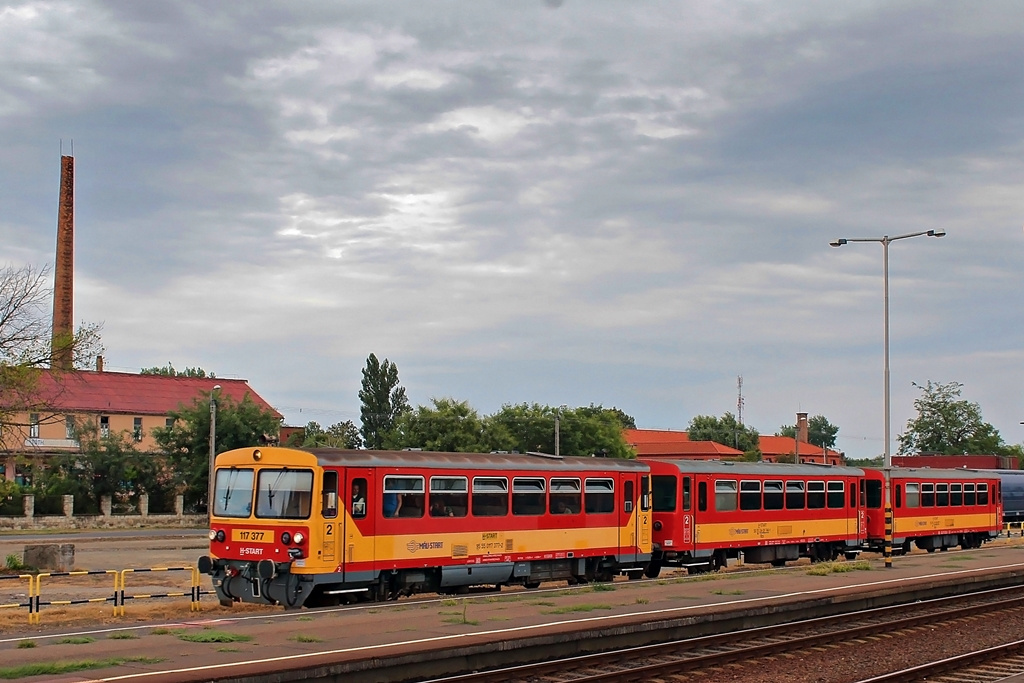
(850, 557)
(532, 584)
(652, 570)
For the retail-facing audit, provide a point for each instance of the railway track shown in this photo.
(983, 666)
(666, 660)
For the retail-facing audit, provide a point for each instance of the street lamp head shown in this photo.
(216, 387)
(837, 243)
(937, 233)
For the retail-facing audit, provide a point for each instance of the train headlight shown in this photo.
(299, 538)
(221, 536)
(286, 537)
(213, 535)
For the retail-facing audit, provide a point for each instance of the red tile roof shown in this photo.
(688, 448)
(121, 392)
(635, 437)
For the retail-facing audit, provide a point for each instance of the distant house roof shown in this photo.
(774, 446)
(634, 437)
(664, 442)
(121, 392)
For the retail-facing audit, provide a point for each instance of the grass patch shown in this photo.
(228, 649)
(123, 636)
(212, 637)
(26, 644)
(641, 600)
(542, 603)
(583, 607)
(302, 638)
(14, 563)
(304, 619)
(449, 602)
(826, 568)
(460, 620)
(76, 640)
(602, 587)
(56, 668)
(161, 631)
(722, 591)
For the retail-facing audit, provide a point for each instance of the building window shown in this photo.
(104, 426)
(33, 426)
(169, 422)
(69, 427)
(137, 429)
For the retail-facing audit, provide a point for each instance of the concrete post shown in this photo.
(29, 501)
(144, 504)
(106, 506)
(69, 506)
(179, 505)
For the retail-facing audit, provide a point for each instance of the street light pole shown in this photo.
(886, 455)
(213, 449)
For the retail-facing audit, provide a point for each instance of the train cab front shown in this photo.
(260, 535)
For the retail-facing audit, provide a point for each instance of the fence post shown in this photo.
(179, 505)
(69, 506)
(144, 504)
(106, 506)
(29, 502)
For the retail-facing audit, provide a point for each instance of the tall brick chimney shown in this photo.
(801, 427)
(64, 270)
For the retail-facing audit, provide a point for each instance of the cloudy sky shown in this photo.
(562, 202)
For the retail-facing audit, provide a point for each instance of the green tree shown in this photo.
(446, 425)
(950, 425)
(339, 435)
(726, 431)
(820, 432)
(383, 401)
(587, 430)
(169, 371)
(186, 443)
(28, 345)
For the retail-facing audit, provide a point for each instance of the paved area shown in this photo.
(297, 639)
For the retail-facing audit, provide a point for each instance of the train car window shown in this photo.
(565, 496)
(815, 495)
(913, 495)
(599, 496)
(982, 494)
(873, 494)
(403, 496)
(795, 499)
(836, 494)
(942, 495)
(329, 495)
(702, 496)
(627, 496)
(490, 496)
(773, 496)
(927, 495)
(645, 492)
(528, 496)
(232, 492)
(357, 505)
(449, 497)
(664, 492)
(725, 495)
(970, 497)
(956, 494)
(750, 495)
(853, 494)
(686, 494)
(899, 496)
(284, 493)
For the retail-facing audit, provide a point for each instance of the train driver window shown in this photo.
(873, 494)
(599, 496)
(725, 495)
(357, 498)
(403, 496)
(795, 499)
(913, 495)
(329, 497)
(750, 495)
(528, 496)
(449, 496)
(773, 496)
(956, 494)
(664, 492)
(565, 496)
(970, 497)
(835, 494)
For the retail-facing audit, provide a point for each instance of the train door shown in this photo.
(356, 529)
(330, 497)
(628, 519)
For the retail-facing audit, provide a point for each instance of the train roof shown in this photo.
(759, 469)
(933, 473)
(336, 457)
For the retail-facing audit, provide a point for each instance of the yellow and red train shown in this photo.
(316, 527)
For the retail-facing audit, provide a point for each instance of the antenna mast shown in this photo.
(739, 399)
